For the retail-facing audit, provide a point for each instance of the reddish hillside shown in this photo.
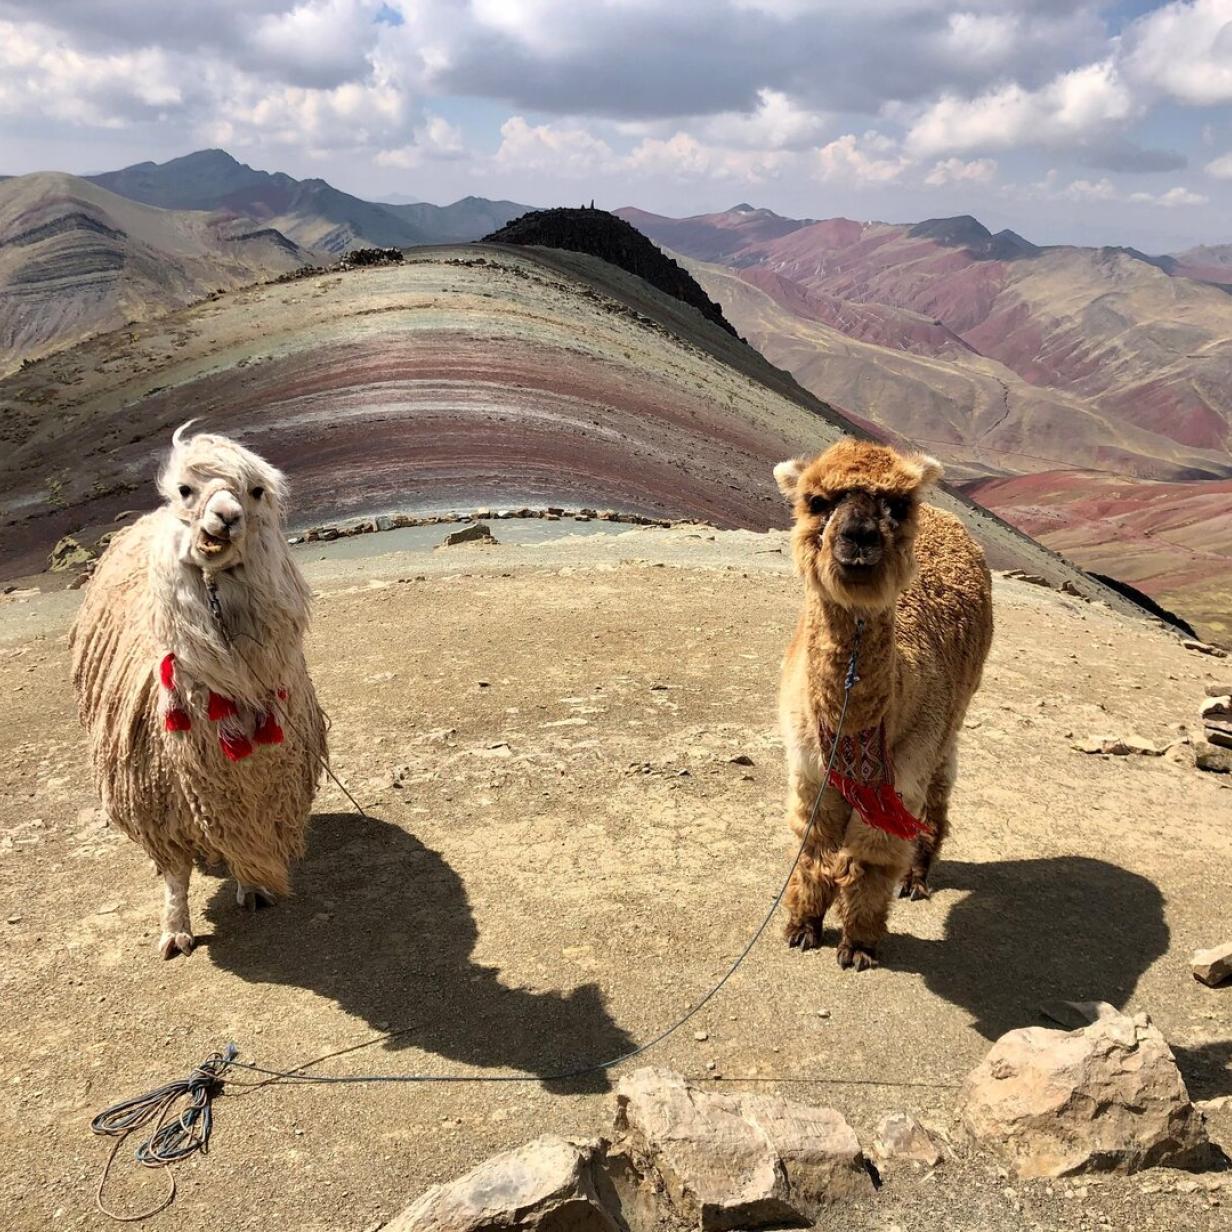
(1147, 352)
(1172, 540)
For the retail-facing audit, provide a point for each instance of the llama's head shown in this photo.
(229, 500)
(857, 511)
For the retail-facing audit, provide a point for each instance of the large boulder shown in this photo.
(736, 1160)
(1107, 1097)
(549, 1184)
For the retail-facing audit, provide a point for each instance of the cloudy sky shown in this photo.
(1086, 122)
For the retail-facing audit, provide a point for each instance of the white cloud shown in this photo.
(778, 123)
(684, 157)
(1221, 167)
(564, 150)
(844, 160)
(1075, 107)
(955, 171)
(436, 140)
(1171, 198)
(1184, 49)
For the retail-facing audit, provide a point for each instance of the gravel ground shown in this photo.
(560, 854)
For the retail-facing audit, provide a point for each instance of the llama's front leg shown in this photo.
(177, 935)
(937, 814)
(812, 886)
(865, 893)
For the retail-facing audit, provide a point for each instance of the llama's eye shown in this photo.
(185, 491)
(257, 493)
(898, 507)
(818, 504)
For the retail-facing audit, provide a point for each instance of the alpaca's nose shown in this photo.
(229, 521)
(861, 533)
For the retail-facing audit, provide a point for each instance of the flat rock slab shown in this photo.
(548, 1184)
(737, 1160)
(1213, 966)
(1105, 1098)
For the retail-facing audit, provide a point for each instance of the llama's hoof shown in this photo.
(915, 888)
(171, 944)
(252, 898)
(803, 934)
(853, 956)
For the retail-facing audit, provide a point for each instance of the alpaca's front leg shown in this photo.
(865, 894)
(812, 886)
(177, 935)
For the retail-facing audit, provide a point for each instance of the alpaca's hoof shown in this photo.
(854, 956)
(171, 944)
(252, 898)
(803, 934)
(915, 888)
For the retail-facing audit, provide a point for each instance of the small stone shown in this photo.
(1217, 707)
(701, 1036)
(823, 1013)
(477, 532)
(1218, 690)
(1204, 648)
(1213, 966)
(1213, 760)
(741, 759)
(902, 1137)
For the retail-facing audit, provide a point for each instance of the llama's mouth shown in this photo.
(212, 545)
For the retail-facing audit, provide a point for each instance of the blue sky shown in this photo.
(1068, 121)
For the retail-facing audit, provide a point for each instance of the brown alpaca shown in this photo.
(868, 550)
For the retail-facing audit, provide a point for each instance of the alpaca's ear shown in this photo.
(927, 471)
(787, 475)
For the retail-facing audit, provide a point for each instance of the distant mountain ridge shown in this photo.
(312, 212)
(76, 259)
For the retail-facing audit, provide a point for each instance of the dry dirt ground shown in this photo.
(560, 855)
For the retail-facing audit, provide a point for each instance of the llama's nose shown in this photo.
(861, 533)
(229, 520)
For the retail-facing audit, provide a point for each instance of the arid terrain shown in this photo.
(1092, 371)
(463, 378)
(560, 854)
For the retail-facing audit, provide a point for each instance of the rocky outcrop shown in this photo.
(548, 1184)
(1213, 966)
(614, 240)
(1107, 1097)
(736, 1160)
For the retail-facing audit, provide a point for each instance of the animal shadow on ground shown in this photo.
(396, 949)
(1068, 928)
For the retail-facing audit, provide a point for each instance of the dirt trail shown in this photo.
(561, 855)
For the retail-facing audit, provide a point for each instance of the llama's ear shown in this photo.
(787, 475)
(928, 471)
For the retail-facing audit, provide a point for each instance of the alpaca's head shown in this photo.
(857, 511)
(229, 500)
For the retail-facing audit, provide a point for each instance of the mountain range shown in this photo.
(1040, 375)
(80, 255)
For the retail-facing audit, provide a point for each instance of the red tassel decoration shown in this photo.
(166, 672)
(235, 746)
(177, 720)
(220, 707)
(880, 806)
(268, 731)
(864, 775)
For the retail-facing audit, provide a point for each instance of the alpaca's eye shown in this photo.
(257, 493)
(185, 491)
(818, 504)
(898, 507)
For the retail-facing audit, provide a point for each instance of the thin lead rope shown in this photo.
(171, 1142)
(211, 592)
(295, 1077)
